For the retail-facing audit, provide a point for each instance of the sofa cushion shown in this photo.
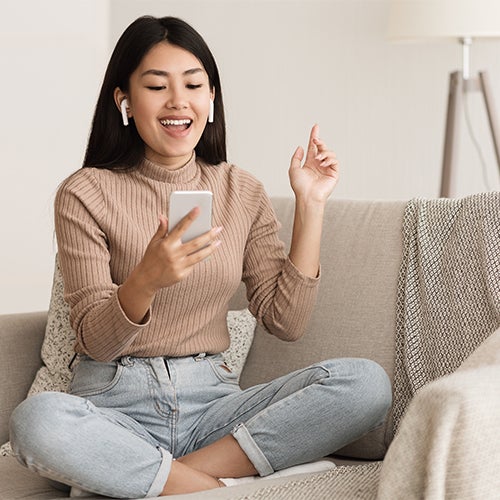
(18, 482)
(21, 338)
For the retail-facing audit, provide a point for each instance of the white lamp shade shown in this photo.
(414, 19)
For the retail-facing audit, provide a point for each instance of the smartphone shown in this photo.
(182, 202)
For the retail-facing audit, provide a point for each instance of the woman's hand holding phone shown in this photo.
(167, 260)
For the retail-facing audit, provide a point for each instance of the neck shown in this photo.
(173, 163)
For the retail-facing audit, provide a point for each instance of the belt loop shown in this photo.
(200, 356)
(126, 361)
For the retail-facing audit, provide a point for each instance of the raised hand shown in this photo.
(315, 180)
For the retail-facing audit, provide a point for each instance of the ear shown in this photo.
(119, 96)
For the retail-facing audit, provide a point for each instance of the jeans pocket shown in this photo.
(92, 378)
(221, 370)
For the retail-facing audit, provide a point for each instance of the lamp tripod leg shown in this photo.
(448, 172)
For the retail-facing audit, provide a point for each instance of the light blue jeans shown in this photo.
(125, 421)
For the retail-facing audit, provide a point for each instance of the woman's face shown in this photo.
(169, 99)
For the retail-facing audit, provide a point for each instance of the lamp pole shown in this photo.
(460, 84)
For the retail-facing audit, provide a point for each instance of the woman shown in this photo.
(154, 410)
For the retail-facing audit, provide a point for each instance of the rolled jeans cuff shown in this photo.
(161, 476)
(252, 450)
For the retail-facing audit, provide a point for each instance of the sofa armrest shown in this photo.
(21, 338)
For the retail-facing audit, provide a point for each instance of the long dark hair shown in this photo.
(113, 146)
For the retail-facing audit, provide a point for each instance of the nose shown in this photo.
(177, 98)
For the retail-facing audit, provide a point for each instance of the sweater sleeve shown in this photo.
(280, 296)
(102, 329)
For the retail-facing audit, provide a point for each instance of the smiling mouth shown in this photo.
(183, 124)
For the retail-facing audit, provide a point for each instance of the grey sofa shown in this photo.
(355, 316)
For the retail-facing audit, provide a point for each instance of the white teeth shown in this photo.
(175, 122)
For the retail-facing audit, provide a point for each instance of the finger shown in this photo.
(190, 260)
(321, 146)
(326, 158)
(331, 164)
(182, 226)
(201, 241)
(332, 169)
(203, 253)
(312, 150)
(162, 230)
(325, 154)
(297, 158)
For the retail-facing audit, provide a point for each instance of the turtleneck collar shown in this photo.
(185, 174)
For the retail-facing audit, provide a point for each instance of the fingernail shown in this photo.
(218, 230)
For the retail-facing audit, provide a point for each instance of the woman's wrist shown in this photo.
(140, 281)
(310, 213)
(136, 296)
(310, 205)
(306, 235)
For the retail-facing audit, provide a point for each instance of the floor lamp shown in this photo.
(463, 21)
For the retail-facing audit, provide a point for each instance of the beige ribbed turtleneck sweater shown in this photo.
(104, 221)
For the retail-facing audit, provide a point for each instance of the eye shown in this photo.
(193, 86)
(156, 88)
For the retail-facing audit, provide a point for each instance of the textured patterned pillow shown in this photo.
(57, 347)
(241, 326)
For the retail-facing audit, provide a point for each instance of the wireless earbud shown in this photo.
(211, 112)
(123, 107)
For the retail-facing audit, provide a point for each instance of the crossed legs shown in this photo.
(297, 418)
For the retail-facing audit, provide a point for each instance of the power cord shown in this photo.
(474, 140)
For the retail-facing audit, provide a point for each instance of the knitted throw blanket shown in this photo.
(448, 291)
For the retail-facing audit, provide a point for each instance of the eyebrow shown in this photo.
(159, 72)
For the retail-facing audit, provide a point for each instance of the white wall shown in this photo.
(52, 57)
(287, 64)
(284, 64)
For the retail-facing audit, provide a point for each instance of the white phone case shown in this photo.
(182, 202)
